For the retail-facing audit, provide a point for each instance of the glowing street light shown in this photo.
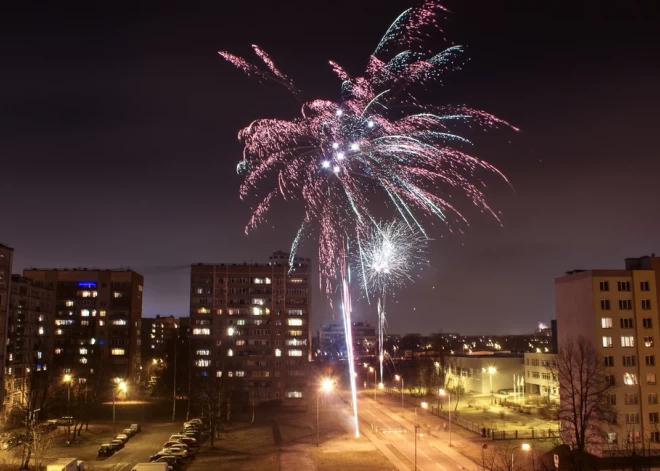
(325, 387)
(68, 379)
(400, 378)
(442, 392)
(523, 447)
(120, 385)
(491, 372)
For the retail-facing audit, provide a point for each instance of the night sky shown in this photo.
(118, 146)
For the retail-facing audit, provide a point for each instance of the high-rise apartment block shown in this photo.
(97, 321)
(30, 337)
(6, 259)
(258, 315)
(617, 310)
(158, 333)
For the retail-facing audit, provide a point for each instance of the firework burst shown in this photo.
(380, 143)
(387, 256)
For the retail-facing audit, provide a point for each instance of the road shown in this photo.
(398, 433)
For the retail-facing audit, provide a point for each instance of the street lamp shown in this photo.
(524, 447)
(372, 370)
(491, 372)
(442, 392)
(400, 378)
(68, 379)
(120, 385)
(326, 386)
(416, 429)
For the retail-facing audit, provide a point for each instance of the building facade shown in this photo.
(332, 340)
(157, 335)
(98, 316)
(30, 338)
(483, 374)
(6, 259)
(252, 321)
(617, 311)
(541, 375)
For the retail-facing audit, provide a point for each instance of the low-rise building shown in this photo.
(483, 374)
(332, 340)
(541, 375)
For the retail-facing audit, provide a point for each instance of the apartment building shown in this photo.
(98, 316)
(332, 340)
(30, 339)
(252, 321)
(158, 333)
(6, 259)
(617, 311)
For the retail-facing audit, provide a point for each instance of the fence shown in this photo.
(474, 427)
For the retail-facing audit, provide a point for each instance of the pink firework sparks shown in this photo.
(380, 145)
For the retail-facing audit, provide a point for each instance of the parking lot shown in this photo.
(138, 449)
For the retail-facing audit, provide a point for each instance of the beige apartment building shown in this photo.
(98, 315)
(6, 259)
(617, 310)
(252, 322)
(541, 376)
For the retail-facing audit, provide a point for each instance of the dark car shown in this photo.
(136, 427)
(129, 432)
(106, 450)
(174, 462)
(117, 444)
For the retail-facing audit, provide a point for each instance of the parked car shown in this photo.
(117, 444)
(136, 427)
(129, 432)
(106, 449)
(122, 436)
(162, 454)
(65, 420)
(174, 462)
(174, 451)
(184, 439)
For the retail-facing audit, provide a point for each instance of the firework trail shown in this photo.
(379, 143)
(386, 258)
(347, 309)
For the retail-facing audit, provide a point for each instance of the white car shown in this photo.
(174, 452)
(183, 438)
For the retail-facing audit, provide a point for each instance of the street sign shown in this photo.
(556, 461)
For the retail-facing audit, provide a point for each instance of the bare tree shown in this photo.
(583, 406)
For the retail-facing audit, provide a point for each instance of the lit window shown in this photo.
(230, 353)
(606, 322)
(58, 351)
(239, 343)
(83, 360)
(294, 394)
(69, 303)
(629, 379)
(59, 332)
(204, 331)
(295, 353)
(218, 374)
(85, 294)
(267, 281)
(627, 341)
(607, 342)
(101, 313)
(94, 312)
(648, 341)
(218, 312)
(84, 322)
(294, 322)
(239, 374)
(278, 352)
(117, 294)
(295, 280)
(203, 363)
(258, 281)
(118, 351)
(101, 323)
(257, 311)
(119, 322)
(203, 310)
(84, 312)
(83, 351)
(203, 352)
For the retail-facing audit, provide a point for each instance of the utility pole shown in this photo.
(176, 341)
(189, 381)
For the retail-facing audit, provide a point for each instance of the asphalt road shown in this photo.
(138, 449)
(393, 429)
